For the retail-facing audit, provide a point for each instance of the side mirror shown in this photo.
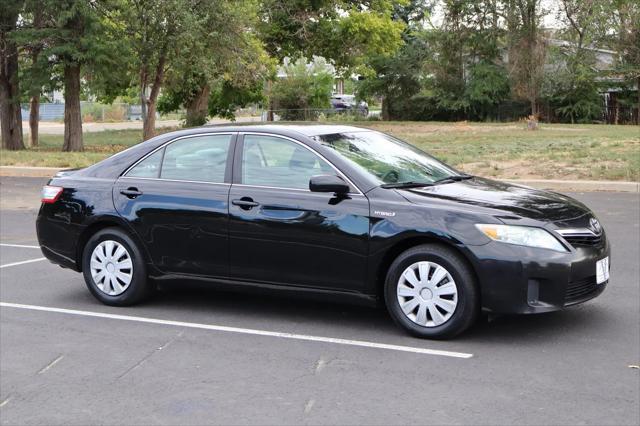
(328, 183)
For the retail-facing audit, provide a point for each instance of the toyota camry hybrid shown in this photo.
(325, 210)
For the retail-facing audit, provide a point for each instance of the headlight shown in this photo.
(522, 236)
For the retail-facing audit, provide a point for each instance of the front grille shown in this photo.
(582, 289)
(584, 240)
(582, 237)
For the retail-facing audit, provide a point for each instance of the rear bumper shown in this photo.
(59, 259)
(58, 239)
(522, 280)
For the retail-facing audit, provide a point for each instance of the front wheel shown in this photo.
(430, 291)
(114, 269)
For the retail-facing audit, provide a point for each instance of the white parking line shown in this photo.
(23, 262)
(242, 330)
(18, 246)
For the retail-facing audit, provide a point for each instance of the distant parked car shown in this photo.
(348, 103)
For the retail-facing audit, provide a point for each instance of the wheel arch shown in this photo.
(405, 244)
(102, 223)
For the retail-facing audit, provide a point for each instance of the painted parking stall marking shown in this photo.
(19, 246)
(23, 262)
(222, 328)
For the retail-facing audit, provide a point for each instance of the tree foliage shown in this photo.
(345, 32)
(303, 91)
(79, 44)
(426, 59)
(223, 55)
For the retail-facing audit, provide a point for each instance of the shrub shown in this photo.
(303, 92)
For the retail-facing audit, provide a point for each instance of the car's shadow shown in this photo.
(263, 308)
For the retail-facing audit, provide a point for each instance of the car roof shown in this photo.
(284, 129)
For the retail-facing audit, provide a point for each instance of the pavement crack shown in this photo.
(150, 354)
(50, 365)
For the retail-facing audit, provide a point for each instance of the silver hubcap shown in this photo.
(427, 294)
(111, 267)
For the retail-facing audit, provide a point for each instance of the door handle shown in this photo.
(245, 203)
(131, 192)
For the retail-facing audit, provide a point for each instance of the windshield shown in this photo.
(386, 159)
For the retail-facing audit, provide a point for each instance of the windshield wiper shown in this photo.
(410, 184)
(454, 178)
(414, 184)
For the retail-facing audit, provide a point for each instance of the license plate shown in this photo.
(602, 270)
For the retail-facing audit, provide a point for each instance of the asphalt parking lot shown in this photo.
(196, 355)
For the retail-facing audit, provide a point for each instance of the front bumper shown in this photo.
(517, 279)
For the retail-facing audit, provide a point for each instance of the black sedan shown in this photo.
(324, 210)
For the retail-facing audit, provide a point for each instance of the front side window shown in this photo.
(281, 163)
(199, 158)
(386, 159)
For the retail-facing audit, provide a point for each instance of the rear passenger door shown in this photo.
(176, 200)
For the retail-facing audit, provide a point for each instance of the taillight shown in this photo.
(50, 194)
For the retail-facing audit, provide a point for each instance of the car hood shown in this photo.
(504, 200)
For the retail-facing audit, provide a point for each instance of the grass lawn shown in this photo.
(555, 151)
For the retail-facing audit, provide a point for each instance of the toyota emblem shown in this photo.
(595, 225)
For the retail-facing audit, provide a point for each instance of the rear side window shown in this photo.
(200, 158)
(149, 167)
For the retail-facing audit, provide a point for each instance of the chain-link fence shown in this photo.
(319, 114)
(96, 112)
(507, 112)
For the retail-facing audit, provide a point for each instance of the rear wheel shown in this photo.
(114, 269)
(430, 291)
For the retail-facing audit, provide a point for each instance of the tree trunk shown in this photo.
(149, 119)
(198, 108)
(10, 114)
(34, 118)
(270, 116)
(149, 125)
(72, 114)
(534, 108)
(34, 102)
(385, 109)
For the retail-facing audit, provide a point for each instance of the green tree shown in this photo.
(526, 49)
(572, 69)
(37, 70)
(156, 31)
(450, 71)
(624, 19)
(10, 113)
(345, 32)
(304, 90)
(81, 41)
(399, 78)
(486, 88)
(225, 61)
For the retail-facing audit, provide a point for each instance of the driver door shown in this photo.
(280, 232)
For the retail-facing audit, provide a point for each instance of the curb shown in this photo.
(18, 171)
(579, 185)
(552, 184)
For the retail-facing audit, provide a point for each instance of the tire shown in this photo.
(455, 310)
(131, 285)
